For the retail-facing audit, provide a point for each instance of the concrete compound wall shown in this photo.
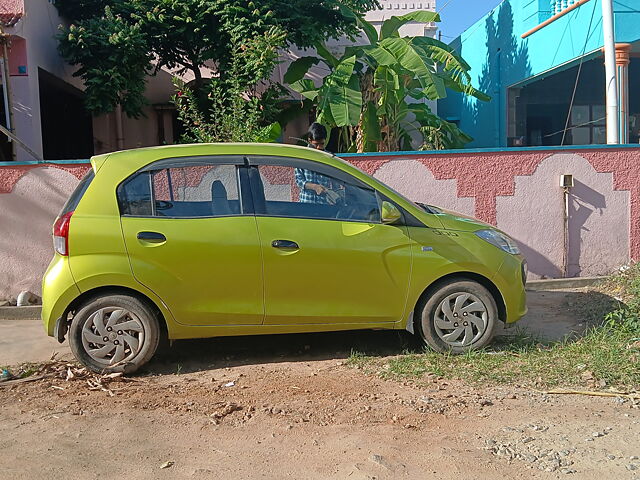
(517, 190)
(31, 196)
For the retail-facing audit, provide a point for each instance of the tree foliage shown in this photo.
(376, 93)
(228, 111)
(113, 62)
(117, 42)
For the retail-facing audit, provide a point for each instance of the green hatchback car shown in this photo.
(196, 241)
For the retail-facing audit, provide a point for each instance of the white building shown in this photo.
(397, 8)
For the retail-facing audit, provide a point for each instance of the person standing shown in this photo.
(314, 186)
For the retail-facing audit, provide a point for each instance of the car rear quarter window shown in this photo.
(76, 196)
(134, 195)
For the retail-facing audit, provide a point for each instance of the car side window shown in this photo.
(203, 190)
(291, 191)
(196, 191)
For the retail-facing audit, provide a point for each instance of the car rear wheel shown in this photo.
(114, 333)
(457, 317)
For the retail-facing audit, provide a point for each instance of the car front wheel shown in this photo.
(114, 333)
(458, 316)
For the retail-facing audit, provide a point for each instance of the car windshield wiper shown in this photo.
(429, 208)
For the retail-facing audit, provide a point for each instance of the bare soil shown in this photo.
(290, 407)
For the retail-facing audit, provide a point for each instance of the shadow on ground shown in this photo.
(553, 316)
(193, 355)
(557, 314)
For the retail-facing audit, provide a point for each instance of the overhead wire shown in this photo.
(439, 10)
(590, 122)
(575, 86)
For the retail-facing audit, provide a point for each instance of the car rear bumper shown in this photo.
(58, 291)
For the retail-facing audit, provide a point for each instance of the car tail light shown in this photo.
(61, 234)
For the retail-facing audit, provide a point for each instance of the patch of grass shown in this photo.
(21, 371)
(406, 366)
(362, 361)
(606, 355)
(603, 353)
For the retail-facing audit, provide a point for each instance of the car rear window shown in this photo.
(77, 194)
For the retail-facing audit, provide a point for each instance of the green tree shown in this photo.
(113, 61)
(116, 43)
(366, 94)
(229, 111)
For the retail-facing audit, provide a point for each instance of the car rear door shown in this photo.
(192, 238)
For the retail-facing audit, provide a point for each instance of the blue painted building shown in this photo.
(532, 81)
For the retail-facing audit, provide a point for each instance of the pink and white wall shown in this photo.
(517, 190)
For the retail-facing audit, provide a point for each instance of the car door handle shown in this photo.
(288, 244)
(152, 237)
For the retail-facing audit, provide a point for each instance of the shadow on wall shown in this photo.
(583, 202)
(539, 265)
(506, 63)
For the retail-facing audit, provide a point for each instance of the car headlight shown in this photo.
(500, 240)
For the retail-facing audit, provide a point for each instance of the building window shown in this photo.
(588, 125)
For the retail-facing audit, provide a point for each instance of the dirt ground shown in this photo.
(290, 407)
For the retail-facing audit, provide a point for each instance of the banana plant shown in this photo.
(376, 93)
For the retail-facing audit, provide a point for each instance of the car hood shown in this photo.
(456, 221)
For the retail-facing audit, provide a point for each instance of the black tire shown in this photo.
(475, 331)
(140, 325)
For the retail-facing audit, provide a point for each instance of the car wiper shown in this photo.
(429, 208)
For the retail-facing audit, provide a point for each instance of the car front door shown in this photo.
(327, 257)
(192, 238)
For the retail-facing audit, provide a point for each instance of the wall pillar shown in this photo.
(622, 80)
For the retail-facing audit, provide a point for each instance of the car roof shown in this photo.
(140, 157)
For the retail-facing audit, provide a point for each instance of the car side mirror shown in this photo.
(390, 213)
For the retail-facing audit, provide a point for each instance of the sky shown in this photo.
(458, 15)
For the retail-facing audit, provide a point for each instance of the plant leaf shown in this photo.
(345, 102)
(390, 27)
(387, 83)
(442, 53)
(380, 55)
(326, 55)
(368, 29)
(370, 128)
(467, 89)
(270, 134)
(340, 95)
(409, 59)
(306, 88)
(299, 68)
